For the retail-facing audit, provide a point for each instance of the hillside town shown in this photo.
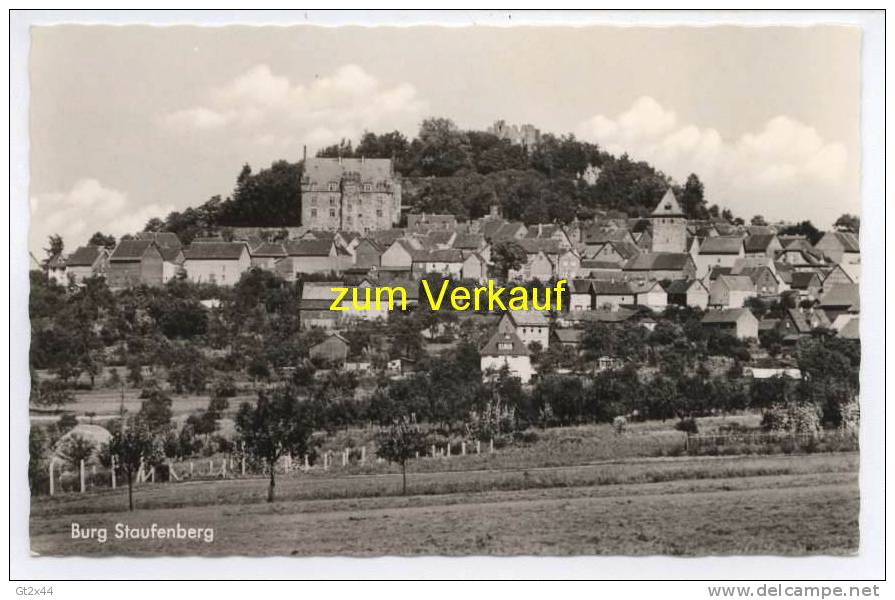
(619, 269)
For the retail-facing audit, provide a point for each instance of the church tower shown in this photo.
(669, 225)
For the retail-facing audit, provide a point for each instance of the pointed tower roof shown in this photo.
(668, 206)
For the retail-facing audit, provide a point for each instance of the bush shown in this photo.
(687, 426)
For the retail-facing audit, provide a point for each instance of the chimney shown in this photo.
(304, 153)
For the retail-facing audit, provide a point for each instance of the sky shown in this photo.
(132, 122)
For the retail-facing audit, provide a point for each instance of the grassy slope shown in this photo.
(765, 505)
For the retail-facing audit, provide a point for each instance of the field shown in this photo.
(490, 504)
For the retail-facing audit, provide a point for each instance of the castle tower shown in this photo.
(669, 225)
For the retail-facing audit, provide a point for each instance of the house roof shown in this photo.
(625, 249)
(469, 241)
(737, 283)
(599, 235)
(309, 247)
(833, 240)
(429, 220)
(569, 336)
(580, 286)
(842, 295)
(528, 318)
(326, 170)
(165, 239)
(726, 315)
(722, 245)
(505, 344)
(214, 251)
(798, 320)
(131, 250)
(612, 288)
(170, 253)
(386, 237)
(717, 271)
(759, 242)
(84, 256)
(668, 206)
(801, 280)
(269, 249)
(852, 329)
(682, 286)
(447, 255)
(601, 316)
(545, 245)
(333, 336)
(658, 261)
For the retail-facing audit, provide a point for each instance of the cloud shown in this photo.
(266, 109)
(785, 170)
(86, 208)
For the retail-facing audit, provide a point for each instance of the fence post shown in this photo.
(224, 468)
(433, 450)
(478, 446)
(463, 448)
(191, 469)
(52, 482)
(243, 464)
(491, 446)
(210, 467)
(83, 481)
(345, 457)
(113, 472)
(363, 454)
(307, 463)
(152, 474)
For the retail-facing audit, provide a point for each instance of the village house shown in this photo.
(836, 275)
(611, 295)
(506, 350)
(722, 251)
(172, 262)
(618, 252)
(331, 351)
(312, 256)
(840, 247)
(550, 231)
(426, 222)
(801, 259)
(762, 244)
(568, 338)
(840, 299)
(55, 269)
(266, 254)
(222, 263)
(468, 243)
(650, 294)
(688, 292)
(403, 252)
(731, 291)
(581, 295)
(793, 326)
(661, 265)
(475, 267)
(135, 262)
(530, 325)
(447, 263)
(538, 266)
(314, 306)
(85, 262)
(739, 322)
(567, 265)
(367, 253)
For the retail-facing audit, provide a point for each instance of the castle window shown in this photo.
(368, 187)
(313, 212)
(332, 201)
(379, 212)
(332, 212)
(314, 201)
(333, 187)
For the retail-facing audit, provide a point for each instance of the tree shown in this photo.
(134, 445)
(400, 442)
(75, 449)
(98, 239)
(441, 149)
(848, 222)
(155, 411)
(508, 256)
(54, 248)
(53, 393)
(758, 220)
(279, 424)
(692, 198)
